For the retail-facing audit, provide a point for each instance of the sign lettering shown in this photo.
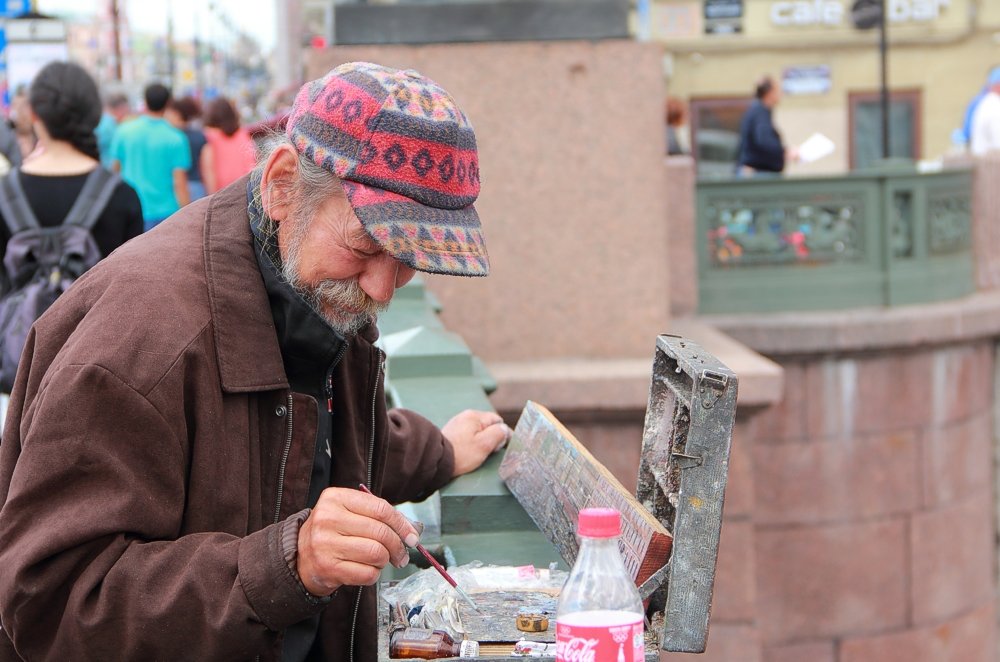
(832, 12)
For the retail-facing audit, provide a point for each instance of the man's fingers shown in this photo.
(348, 524)
(490, 421)
(494, 436)
(375, 508)
(383, 511)
(487, 418)
(348, 538)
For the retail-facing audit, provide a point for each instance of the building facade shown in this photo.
(828, 65)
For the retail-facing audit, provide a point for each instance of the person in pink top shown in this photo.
(230, 152)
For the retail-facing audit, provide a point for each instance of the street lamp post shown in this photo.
(868, 14)
(199, 79)
(883, 47)
(116, 39)
(171, 54)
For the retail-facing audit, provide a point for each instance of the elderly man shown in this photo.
(191, 421)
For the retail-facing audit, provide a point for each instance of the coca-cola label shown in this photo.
(621, 642)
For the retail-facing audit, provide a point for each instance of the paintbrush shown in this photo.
(437, 566)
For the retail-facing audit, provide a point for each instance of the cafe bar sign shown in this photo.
(836, 12)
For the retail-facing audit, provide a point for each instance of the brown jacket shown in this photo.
(141, 463)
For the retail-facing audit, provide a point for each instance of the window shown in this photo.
(715, 134)
(865, 126)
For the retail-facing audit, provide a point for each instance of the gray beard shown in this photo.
(333, 300)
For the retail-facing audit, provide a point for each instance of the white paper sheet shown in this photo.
(815, 147)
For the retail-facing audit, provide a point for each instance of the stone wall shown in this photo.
(873, 512)
(573, 202)
(872, 518)
(986, 225)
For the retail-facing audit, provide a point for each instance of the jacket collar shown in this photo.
(246, 342)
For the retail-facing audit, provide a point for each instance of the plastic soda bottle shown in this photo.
(600, 613)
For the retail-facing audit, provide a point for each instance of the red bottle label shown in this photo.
(600, 636)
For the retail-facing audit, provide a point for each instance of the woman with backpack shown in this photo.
(65, 109)
(230, 152)
(60, 212)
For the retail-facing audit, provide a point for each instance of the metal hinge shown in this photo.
(714, 381)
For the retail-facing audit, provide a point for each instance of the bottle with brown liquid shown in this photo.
(428, 644)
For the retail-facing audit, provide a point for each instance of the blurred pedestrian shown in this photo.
(183, 114)
(154, 157)
(65, 109)
(676, 119)
(10, 151)
(20, 120)
(116, 111)
(761, 149)
(985, 135)
(230, 152)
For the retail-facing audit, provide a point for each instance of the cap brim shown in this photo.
(428, 239)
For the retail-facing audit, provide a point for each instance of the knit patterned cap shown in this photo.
(406, 156)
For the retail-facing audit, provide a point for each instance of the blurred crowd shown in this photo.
(168, 151)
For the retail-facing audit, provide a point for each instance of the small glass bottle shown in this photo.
(600, 615)
(428, 644)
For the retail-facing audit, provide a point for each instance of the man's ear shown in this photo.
(276, 182)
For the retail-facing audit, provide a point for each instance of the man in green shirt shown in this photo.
(153, 157)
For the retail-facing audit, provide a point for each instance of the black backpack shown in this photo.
(42, 262)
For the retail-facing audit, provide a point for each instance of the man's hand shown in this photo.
(347, 540)
(474, 436)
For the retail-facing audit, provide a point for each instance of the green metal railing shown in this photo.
(432, 371)
(884, 238)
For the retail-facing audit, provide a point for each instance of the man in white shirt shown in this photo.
(986, 119)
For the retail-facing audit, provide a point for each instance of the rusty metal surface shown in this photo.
(682, 480)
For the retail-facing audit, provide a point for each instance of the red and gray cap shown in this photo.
(406, 156)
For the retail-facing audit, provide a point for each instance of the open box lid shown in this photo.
(670, 528)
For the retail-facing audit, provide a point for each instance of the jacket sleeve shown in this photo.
(419, 460)
(94, 565)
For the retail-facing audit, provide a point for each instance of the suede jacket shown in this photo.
(155, 464)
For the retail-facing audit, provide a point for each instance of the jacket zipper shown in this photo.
(284, 461)
(281, 470)
(371, 441)
(368, 483)
(288, 447)
(329, 391)
(329, 378)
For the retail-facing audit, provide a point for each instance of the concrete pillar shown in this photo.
(288, 50)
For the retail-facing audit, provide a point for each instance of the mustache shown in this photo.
(347, 295)
(341, 302)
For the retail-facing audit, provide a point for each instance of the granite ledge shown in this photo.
(966, 319)
(614, 384)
